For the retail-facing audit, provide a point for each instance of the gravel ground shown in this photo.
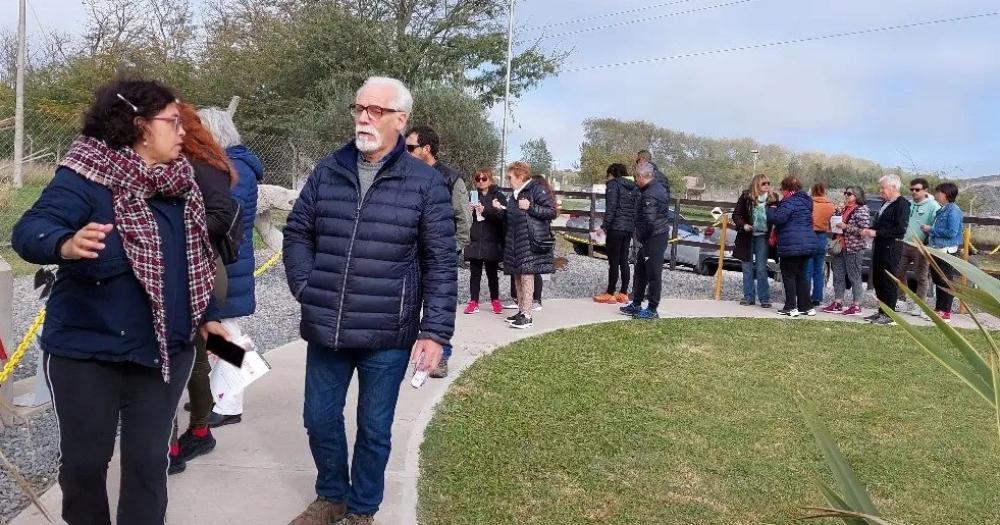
(32, 445)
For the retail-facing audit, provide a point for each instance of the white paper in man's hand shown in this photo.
(228, 380)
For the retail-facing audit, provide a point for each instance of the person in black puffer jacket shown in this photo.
(652, 229)
(528, 250)
(621, 201)
(485, 247)
(792, 219)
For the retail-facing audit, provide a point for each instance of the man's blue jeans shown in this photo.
(447, 353)
(328, 374)
(755, 271)
(816, 267)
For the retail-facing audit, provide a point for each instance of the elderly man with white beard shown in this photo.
(369, 252)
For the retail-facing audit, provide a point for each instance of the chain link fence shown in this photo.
(286, 161)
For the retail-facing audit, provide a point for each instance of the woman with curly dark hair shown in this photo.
(125, 222)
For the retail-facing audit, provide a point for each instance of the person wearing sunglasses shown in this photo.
(485, 249)
(424, 143)
(369, 253)
(923, 209)
(752, 232)
(126, 224)
(846, 262)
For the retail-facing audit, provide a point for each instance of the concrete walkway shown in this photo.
(261, 471)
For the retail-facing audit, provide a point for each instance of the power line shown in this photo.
(785, 42)
(647, 19)
(606, 15)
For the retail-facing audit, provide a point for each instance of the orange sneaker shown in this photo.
(605, 298)
(622, 298)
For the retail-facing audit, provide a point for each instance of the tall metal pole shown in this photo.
(22, 45)
(506, 96)
(755, 153)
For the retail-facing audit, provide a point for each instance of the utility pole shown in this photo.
(754, 153)
(22, 49)
(506, 97)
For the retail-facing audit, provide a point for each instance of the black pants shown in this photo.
(492, 278)
(536, 296)
(90, 398)
(649, 272)
(796, 282)
(618, 245)
(944, 300)
(886, 254)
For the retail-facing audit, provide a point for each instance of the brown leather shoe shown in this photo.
(321, 512)
(357, 519)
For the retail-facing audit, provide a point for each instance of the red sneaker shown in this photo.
(497, 306)
(472, 307)
(852, 310)
(945, 316)
(833, 308)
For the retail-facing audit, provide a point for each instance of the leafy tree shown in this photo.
(535, 152)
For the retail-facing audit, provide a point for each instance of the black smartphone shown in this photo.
(228, 351)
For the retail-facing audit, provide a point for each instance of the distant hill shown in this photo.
(989, 180)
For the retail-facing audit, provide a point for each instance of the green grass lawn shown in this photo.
(694, 422)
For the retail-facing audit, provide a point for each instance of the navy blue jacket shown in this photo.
(363, 268)
(240, 296)
(621, 204)
(792, 218)
(97, 308)
(654, 209)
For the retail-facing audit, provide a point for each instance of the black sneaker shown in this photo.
(177, 465)
(883, 320)
(216, 420)
(515, 317)
(192, 446)
(522, 322)
(746, 302)
(765, 305)
(788, 312)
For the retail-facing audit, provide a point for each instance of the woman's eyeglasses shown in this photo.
(176, 120)
(848, 194)
(482, 179)
(765, 183)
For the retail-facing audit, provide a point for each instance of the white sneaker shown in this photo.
(537, 307)
(810, 312)
(902, 307)
(510, 306)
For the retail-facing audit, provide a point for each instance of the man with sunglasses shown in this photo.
(424, 143)
(369, 253)
(922, 211)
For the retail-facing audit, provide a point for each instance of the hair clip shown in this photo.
(125, 100)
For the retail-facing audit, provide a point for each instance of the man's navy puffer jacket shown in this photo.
(363, 269)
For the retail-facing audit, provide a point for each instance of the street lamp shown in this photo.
(754, 153)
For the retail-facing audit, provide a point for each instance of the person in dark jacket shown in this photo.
(528, 249)
(652, 228)
(485, 249)
(887, 231)
(423, 143)
(752, 232)
(214, 176)
(792, 217)
(369, 253)
(646, 156)
(125, 222)
(240, 291)
(621, 200)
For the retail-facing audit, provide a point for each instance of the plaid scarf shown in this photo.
(131, 182)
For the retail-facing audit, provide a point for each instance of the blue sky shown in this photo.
(928, 96)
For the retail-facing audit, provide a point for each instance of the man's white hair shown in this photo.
(220, 123)
(403, 101)
(644, 169)
(891, 180)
